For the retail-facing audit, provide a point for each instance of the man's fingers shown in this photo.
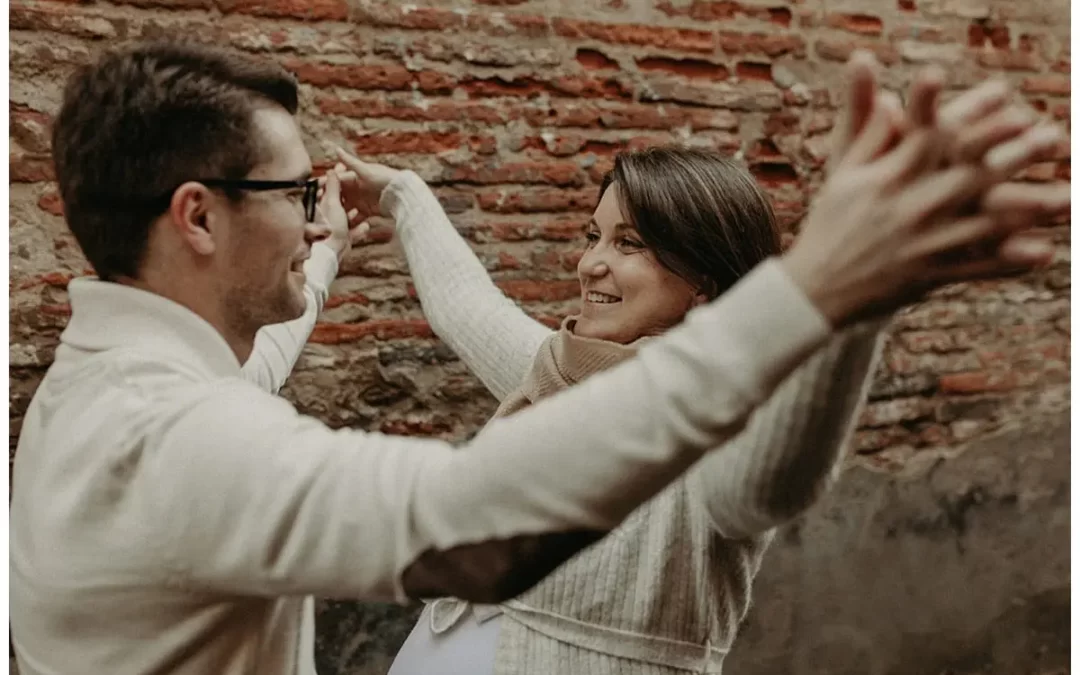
(1030, 248)
(1040, 199)
(1017, 254)
(1037, 144)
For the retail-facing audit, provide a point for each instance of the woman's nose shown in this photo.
(592, 265)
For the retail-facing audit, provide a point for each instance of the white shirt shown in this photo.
(169, 516)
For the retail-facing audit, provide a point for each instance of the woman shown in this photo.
(666, 591)
(674, 228)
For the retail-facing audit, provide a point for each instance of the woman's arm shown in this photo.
(491, 334)
(793, 447)
(278, 346)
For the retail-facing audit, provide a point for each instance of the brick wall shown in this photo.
(512, 110)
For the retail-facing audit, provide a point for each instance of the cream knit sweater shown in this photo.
(665, 593)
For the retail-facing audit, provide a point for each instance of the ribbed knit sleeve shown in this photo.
(793, 447)
(489, 332)
(278, 347)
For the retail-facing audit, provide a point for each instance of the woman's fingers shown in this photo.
(975, 140)
(973, 105)
(858, 106)
(876, 136)
(923, 99)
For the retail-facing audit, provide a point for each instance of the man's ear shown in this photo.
(193, 215)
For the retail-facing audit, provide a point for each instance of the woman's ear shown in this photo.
(700, 299)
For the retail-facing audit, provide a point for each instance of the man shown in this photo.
(169, 516)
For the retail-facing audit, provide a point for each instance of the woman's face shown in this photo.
(625, 293)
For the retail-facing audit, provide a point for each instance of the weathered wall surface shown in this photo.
(512, 109)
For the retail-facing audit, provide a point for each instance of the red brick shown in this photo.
(389, 76)
(833, 49)
(748, 96)
(305, 10)
(409, 142)
(677, 39)
(51, 203)
(169, 4)
(924, 32)
(749, 70)
(516, 25)
(592, 59)
(546, 172)
(769, 44)
(57, 309)
(725, 10)
(522, 87)
(387, 329)
(1010, 60)
(535, 200)
(416, 427)
(630, 116)
(557, 229)
(507, 261)
(29, 168)
(885, 413)
(59, 19)
(350, 299)
(906, 5)
(393, 15)
(529, 290)
(691, 68)
(1055, 85)
(409, 110)
(590, 87)
(864, 24)
(30, 129)
(483, 144)
(977, 382)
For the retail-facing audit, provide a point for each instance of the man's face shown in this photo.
(269, 237)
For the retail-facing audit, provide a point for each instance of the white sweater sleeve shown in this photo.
(792, 450)
(495, 338)
(251, 497)
(278, 347)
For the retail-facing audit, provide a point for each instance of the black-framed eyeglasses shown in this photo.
(310, 185)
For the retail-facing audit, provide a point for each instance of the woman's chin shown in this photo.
(594, 328)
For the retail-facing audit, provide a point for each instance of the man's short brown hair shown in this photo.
(141, 121)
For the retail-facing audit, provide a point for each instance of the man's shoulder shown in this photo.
(133, 382)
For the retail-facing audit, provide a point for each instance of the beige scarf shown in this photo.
(564, 360)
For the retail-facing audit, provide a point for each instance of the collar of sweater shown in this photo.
(107, 316)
